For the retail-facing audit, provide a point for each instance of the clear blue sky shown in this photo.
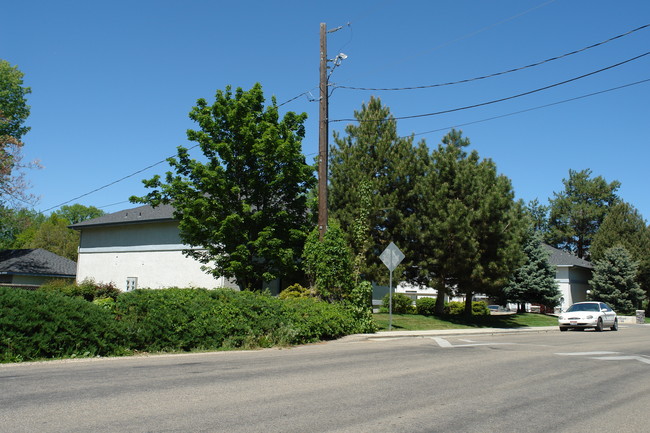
(113, 81)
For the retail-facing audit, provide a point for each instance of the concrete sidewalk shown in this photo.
(448, 332)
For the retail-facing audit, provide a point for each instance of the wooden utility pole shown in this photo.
(322, 135)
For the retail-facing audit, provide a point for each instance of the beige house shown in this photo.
(139, 248)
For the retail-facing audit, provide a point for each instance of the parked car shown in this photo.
(582, 315)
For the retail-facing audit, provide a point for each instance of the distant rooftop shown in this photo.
(565, 258)
(135, 215)
(36, 262)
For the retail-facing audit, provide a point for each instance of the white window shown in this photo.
(131, 283)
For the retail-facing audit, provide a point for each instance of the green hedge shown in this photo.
(36, 325)
(479, 308)
(49, 324)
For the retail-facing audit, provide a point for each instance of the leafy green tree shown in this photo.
(77, 213)
(14, 221)
(245, 206)
(328, 263)
(534, 281)
(577, 212)
(13, 113)
(625, 226)
(373, 172)
(53, 235)
(471, 224)
(614, 281)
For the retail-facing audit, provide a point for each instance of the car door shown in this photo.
(608, 314)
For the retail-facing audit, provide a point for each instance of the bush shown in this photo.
(455, 308)
(87, 289)
(425, 306)
(296, 291)
(47, 324)
(402, 304)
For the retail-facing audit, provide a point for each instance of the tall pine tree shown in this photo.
(614, 281)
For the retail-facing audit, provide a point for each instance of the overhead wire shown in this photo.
(531, 109)
(496, 74)
(494, 101)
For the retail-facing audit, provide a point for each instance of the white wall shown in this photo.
(152, 253)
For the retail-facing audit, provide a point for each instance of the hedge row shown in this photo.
(49, 324)
(403, 304)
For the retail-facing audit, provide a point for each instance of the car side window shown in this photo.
(605, 307)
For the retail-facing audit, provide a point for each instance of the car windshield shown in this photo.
(583, 307)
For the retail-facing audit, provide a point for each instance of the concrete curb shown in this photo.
(446, 332)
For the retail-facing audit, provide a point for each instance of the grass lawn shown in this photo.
(414, 322)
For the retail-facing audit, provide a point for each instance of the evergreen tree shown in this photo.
(614, 281)
(625, 226)
(472, 227)
(534, 281)
(538, 213)
(245, 206)
(577, 212)
(373, 173)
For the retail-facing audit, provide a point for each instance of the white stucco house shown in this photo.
(139, 248)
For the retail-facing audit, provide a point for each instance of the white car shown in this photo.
(581, 315)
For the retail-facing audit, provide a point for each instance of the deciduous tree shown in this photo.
(244, 203)
(13, 113)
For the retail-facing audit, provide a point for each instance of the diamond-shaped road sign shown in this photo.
(391, 256)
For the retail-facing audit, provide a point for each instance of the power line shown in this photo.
(496, 74)
(482, 104)
(114, 182)
(531, 109)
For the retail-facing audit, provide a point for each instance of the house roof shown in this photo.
(36, 262)
(135, 215)
(565, 258)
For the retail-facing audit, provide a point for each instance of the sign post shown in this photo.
(391, 257)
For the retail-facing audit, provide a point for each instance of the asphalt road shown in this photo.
(525, 382)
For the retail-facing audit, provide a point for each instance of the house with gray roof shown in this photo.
(572, 275)
(139, 248)
(32, 268)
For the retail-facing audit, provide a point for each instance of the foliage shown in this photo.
(13, 114)
(360, 304)
(479, 308)
(472, 228)
(42, 324)
(402, 304)
(87, 289)
(77, 213)
(625, 226)
(246, 205)
(614, 281)
(13, 222)
(328, 263)
(53, 235)
(534, 281)
(577, 212)
(296, 291)
(538, 213)
(425, 306)
(373, 173)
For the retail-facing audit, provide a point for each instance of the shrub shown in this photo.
(455, 308)
(87, 289)
(402, 304)
(425, 306)
(296, 291)
(47, 324)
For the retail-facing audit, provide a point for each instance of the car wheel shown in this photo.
(599, 325)
(615, 325)
(562, 328)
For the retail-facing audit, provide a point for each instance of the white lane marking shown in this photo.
(587, 353)
(444, 343)
(624, 358)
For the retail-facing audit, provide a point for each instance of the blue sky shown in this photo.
(112, 82)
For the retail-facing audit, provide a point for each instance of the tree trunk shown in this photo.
(468, 304)
(440, 300)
